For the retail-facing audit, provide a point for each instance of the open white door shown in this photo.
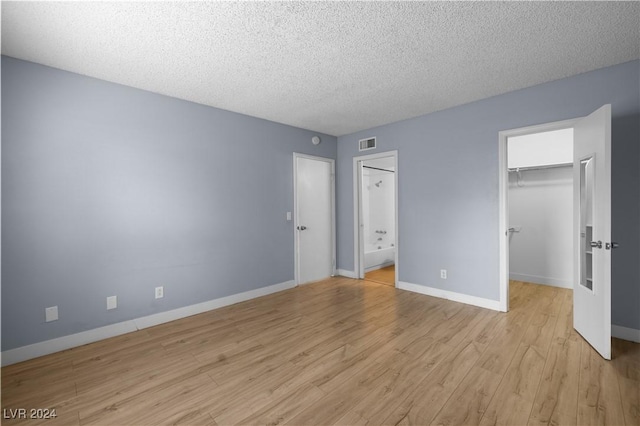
(314, 218)
(592, 228)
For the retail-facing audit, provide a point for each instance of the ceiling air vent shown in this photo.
(369, 143)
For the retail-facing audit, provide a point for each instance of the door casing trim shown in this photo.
(503, 198)
(358, 260)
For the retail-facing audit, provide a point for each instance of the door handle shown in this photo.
(611, 246)
(596, 244)
(301, 228)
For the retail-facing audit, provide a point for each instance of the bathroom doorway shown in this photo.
(376, 221)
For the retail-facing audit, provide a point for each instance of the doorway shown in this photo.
(376, 217)
(512, 174)
(540, 207)
(591, 224)
(314, 217)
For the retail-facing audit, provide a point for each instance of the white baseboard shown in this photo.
(47, 347)
(187, 311)
(345, 273)
(625, 333)
(450, 295)
(554, 282)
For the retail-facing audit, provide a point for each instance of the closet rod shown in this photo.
(549, 166)
(376, 168)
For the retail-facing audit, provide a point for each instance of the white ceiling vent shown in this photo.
(369, 143)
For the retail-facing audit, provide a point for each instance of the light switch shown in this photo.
(112, 302)
(288, 216)
(51, 314)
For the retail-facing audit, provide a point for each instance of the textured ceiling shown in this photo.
(330, 67)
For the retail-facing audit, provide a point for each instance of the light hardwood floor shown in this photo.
(385, 275)
(342, 352)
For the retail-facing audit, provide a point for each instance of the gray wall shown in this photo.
(448, 183)
(109, 190)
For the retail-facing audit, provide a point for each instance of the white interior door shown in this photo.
(592, 228)
(314, 218)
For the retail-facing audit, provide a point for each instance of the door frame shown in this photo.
(296, 242)
(503, 196)
(358, 238)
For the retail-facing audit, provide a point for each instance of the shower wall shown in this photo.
(378, 199)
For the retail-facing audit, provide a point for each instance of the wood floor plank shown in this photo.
(455, 329)
(630, 394)
(233, 396)
(191, 341)
(154, 406)
(335, 405)
(254, 360)
(351, 419)
(507, 409)
(317, 344)
(564, 326)
(626, 363)
(409, 366)
(557, 397)
(540, 331)
(549, 299)
(484, 327)
(324, 368)
(286, 408)
(599, 401)
(513, 400)
(341, 351)
(503, 347)
(333, 377)
(386, 275)
(435, 389)
(100, 368)
(265, 390)
(468, 403)
(117, 391)
(53, 386)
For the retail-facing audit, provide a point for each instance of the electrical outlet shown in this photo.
(112, 302)
(159, 292)
(51, 314)
(443, 274)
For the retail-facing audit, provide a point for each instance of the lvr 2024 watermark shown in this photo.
(31, 413)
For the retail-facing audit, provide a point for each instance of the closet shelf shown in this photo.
(540, 167)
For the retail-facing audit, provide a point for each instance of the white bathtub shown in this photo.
(376, 258)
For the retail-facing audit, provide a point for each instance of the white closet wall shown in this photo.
(541, 209)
